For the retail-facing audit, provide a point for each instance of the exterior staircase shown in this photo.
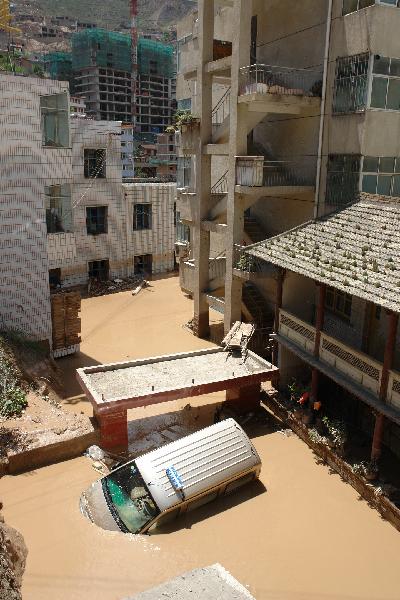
(256, 310)
(253, 230)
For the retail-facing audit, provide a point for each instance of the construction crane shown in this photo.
(5, 18)
(134, 55)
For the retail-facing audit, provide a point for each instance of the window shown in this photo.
(338, 302)
(350, 6)
(98, 269)
(182, 230)
(185, 104)
(143, 264)
(58, 208)
(142, 214)
(351, 84)
(381, 175)
(386, 83)
(342, 179)
(54, 278)
(95, 163)
(184, 172)
(96, 219)
(54, 113)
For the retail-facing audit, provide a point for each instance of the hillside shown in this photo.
(159, 14)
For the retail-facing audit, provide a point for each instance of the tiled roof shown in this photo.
(356, 250)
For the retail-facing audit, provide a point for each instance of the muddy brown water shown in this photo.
(301, 534)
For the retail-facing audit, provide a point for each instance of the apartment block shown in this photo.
(291, 168)
(65, 216)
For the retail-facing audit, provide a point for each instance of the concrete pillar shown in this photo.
(242, 13)
(113, 429)
(393, 321)
(319, 324)
(244, 399)
(278, 306)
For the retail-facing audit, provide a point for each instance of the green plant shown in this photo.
(316, 437)
(12, 396)
(337, 431)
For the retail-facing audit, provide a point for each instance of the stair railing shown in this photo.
(221, 109)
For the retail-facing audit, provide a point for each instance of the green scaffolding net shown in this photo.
(101, 48)
(58, 65)
(155, 58)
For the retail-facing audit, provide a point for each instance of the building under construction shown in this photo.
(102, 73)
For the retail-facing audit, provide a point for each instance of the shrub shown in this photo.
(12, 396)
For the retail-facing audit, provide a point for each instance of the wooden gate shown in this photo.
(65, 309)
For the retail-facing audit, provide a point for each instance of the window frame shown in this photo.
(349, 63)
(337, 297)
(380, 77)
(394, 174)
(352, 176)
(104, 262)
(92, 227)
(87, 166)
(142, 211)
(374, 3)
(64, 201)
(46, 111)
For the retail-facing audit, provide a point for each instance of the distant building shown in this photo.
(127, 151)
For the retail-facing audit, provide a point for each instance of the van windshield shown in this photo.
(128, 499)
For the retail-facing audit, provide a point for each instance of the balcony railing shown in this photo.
(394, 389)
(349, 362)
(271, 79)
(216, 272)
(221, 186)
(257, 172)
(222, 109)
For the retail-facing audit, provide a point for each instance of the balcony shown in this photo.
(258, 177)
(354, 370)
(248, 267)
(217, 272)
(277, 89)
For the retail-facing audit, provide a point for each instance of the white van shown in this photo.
(173, 479)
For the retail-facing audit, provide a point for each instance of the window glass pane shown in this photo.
(395, 67)
(381, 65)
(349, 6)
(378, 97)
(396, 186)
(391, 2)
(386, 165)
(393, 98)
(370, 164)
(384, 184)
(369, 183)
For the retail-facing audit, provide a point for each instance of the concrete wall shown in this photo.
(26, 167)
(158, 241)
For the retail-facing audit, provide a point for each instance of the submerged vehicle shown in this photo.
(175, 478)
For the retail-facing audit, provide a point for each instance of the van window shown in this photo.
(200, 501)
(166, 518)
(238, 482)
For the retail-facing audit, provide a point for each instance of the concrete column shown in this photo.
(242, 13)
(393, 321)
(319, 324)
(113, 429)
(202, 167)
(244, 399)
(278, 306)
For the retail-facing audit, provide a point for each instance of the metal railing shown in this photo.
(276, 173)
(271, 79)
(221, 186)
(222, 109)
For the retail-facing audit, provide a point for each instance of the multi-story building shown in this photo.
(127, 151)
(166, 155)
(65, 216)
(308, 121)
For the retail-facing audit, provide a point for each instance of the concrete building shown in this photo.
(127, 151)
(166, 155)
(65, 216)
(316, 87)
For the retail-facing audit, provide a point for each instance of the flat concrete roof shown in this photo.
(209, 583)
(159, 379)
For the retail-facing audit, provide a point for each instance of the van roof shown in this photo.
(201, 460)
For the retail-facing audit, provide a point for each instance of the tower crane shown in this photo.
(5, 18)
(134, 56)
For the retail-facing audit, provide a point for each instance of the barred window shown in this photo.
(95, 163)
(182, 230)
(350, 6)
(184, 172)
(96, 220)
(351, 84)
(99, 269)
(342, 179)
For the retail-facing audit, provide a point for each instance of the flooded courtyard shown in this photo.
(298, 534)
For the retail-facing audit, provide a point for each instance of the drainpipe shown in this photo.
(323, 108)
